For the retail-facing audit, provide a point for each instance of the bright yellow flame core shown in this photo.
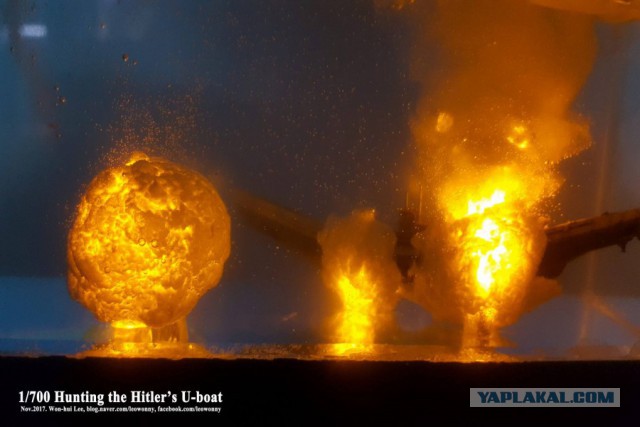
(495, 250)
(480, 206)
(358, 295)
(357, 264)
(499, 242)
(149, 239)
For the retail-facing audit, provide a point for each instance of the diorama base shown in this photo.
(297, 392)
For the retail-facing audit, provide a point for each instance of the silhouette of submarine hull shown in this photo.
(565, 242)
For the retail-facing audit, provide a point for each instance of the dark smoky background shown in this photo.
(306, 104)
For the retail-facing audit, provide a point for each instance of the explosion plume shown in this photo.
(357, 265)
(490, 130)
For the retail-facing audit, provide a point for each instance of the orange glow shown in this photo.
(444, 122)
(149, 239)
(519, 137)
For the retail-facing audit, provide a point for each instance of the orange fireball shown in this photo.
(149, 239)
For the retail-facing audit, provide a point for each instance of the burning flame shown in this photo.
(493, 248)
(358, 267)
(358, 295)
(490, 261)
(149, 239)
(490, 134)
(498, 243)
